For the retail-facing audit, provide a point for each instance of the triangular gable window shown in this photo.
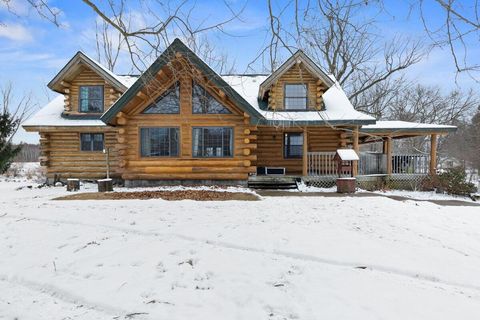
(204, 102)
(168, 102)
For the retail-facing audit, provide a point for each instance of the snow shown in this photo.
(51, 115)
(347, 154)
(337, 105)
(278, 258)
(423, 195)
(399, 125)
(126, 80)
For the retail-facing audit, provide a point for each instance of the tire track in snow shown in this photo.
(62, 294)
(286, 254)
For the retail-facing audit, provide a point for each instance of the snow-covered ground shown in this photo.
(423, 195)
(278, 258)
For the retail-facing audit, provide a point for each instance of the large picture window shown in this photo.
(91, 141)
(293, 145)
(296, 96)
(204, 102)
(168, 102)
(91, 99)
(212, 142)
(159, 142)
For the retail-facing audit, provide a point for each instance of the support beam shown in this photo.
(356, 148)
(389, 154)
(433, 154)
(305, 152)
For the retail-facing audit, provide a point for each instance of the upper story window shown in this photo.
(204, 102)
(168, 102)
(296, 96)
(91, 99)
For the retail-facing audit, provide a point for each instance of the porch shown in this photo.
(407, 172)
(321, 164)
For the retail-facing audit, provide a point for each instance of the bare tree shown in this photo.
(430, 105)
(13, 112)
(353, 50)
(458, 29)
(108, 44)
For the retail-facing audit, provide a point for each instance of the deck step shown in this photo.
(272, 182)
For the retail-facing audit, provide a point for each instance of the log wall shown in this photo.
(61, 155)
(133, 166)
(270, 145)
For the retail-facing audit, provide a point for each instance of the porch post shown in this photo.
(433, 154)
(357, 149)
(389, 155)
(305, 152)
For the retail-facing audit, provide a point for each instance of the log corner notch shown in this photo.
(433, 154)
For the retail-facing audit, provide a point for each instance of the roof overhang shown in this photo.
(404, 129)
(296, 123)
(177, 46)
(298, 57)
(71, 69)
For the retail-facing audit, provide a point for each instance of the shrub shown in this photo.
(451, 181)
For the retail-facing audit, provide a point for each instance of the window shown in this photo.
(212, 142)
(168, 102)
(296, 96)
(91, 141)
(159, 142)
(293, 145)
(91, 99)
(203, 102)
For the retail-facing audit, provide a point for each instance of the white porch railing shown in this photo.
(321, 164)
(410, 164)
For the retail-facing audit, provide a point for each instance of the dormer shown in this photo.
(89, 88)
(297, 85)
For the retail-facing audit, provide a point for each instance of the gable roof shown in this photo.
(178, 46)
(298, 56)
(121, 83)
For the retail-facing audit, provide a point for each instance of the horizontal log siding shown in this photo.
(61, 150)
(88, 78)
(297, 74)
(133, 166)
(270, 146)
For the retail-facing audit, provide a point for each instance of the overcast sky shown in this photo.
(33, 50)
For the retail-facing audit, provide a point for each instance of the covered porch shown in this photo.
(387, 162)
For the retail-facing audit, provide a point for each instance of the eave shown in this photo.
(76, 62)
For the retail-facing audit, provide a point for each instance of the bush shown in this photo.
(451, 181)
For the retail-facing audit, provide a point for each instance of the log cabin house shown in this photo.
(180, 122)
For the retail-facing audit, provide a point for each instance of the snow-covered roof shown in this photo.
(405, 126)
(337, 106)
(296, 58)
(51, 115)
(127, 80)
(76, 62)
(347, 154)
